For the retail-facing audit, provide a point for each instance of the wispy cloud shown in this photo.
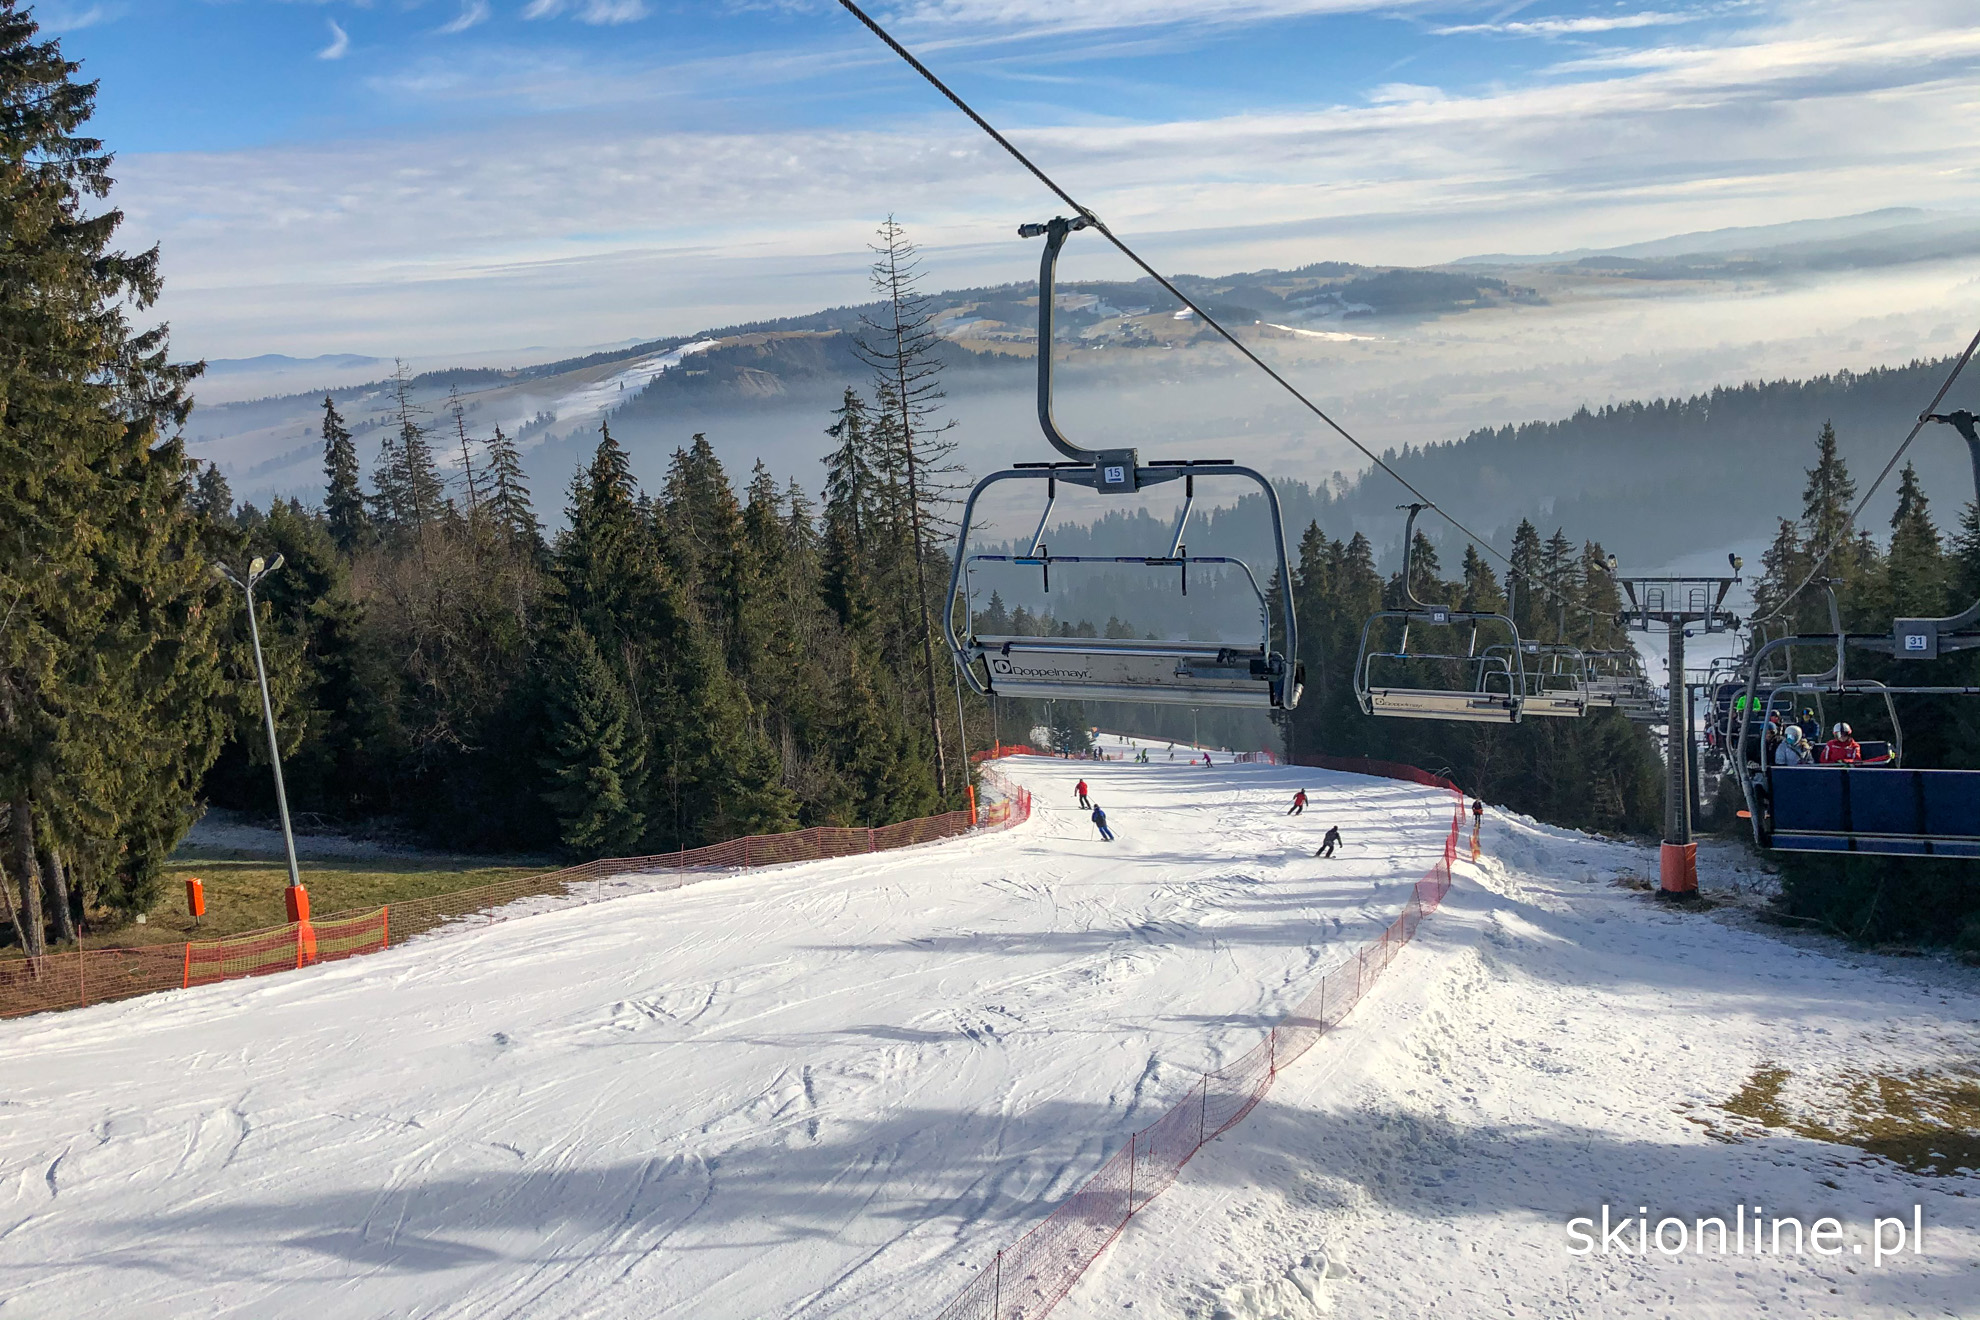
(74, 18)
(340, 43)
(1573, 27)
(596, 12)
(473, 13)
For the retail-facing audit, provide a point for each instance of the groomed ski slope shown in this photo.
(832, 1088)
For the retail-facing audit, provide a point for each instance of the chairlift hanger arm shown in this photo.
(1055, 232)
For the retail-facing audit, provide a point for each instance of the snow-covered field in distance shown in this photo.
(836, 1088)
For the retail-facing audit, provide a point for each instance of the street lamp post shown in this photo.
(297, 898)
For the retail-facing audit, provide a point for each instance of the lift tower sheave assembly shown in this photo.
(1678, 603)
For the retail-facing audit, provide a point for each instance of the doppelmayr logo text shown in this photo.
(1746, 1232)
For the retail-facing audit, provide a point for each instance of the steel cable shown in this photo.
(1175, 292)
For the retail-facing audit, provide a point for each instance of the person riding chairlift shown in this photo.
(1794, 749)
(1843, 749)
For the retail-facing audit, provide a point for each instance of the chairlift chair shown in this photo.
(1496, 687)
(1887, 808)
(1177, 672)
(1616, 681)
(1556, 680)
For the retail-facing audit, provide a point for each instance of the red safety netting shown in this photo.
(89, 976)
(285, 948)
(1028, 1279)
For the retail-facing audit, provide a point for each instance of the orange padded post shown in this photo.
(1678, 863)
(296, 899)
(195, 898)
(972, 804)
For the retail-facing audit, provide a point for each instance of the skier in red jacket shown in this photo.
(1080, 791)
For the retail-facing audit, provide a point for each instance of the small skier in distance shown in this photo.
(1331, 842)
(1299, 804)
(1079, 790)
(1100, 819)
(1477, 814)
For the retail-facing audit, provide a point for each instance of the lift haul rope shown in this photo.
(1163, 280)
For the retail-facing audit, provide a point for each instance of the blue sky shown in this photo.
(218, 74)
(465, 176)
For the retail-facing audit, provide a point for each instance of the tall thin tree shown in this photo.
(902, 347)
(343, 503)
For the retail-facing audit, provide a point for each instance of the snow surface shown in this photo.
(836, 1088)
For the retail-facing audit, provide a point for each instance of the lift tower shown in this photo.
(1680, 604)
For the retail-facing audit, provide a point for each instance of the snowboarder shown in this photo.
(1100, 819)
(1079, 790)
(1299, 803)
(1331, 842)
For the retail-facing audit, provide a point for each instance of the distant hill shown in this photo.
(279, 362)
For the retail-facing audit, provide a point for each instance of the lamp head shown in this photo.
(255, 566)
(1736, 562)
(1611, 563)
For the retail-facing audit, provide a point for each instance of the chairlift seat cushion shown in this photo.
(1439, 704)
(1129, 669)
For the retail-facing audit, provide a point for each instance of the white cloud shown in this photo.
(596, 12)
(1574, 27)
(579, 230)
(473, 13)
(59, 18)
(1091, 14)
(340, 42)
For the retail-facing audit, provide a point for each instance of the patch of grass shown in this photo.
(244, 895)
(1926, 1120)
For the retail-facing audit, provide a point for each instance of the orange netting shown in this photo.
(1028, 1278)
(89, 976)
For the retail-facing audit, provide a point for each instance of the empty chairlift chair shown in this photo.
(1483, 683)
(1180, 671)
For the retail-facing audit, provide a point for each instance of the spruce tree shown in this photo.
(595, 764)
(508, 494)
(406, 478)
(1481, 588)
(213, 499)
(343, 501)
(1916, 569)
(1523, 579)
(108, 674)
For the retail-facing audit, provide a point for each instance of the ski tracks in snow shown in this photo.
(819, 1088)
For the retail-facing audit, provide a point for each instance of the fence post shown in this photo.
(82, 987)
(746, 839)
(1272, 1054)
(1203, 1113)
(186, 982)
(869, 838)
(1131, 1137)
(997, 1288)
